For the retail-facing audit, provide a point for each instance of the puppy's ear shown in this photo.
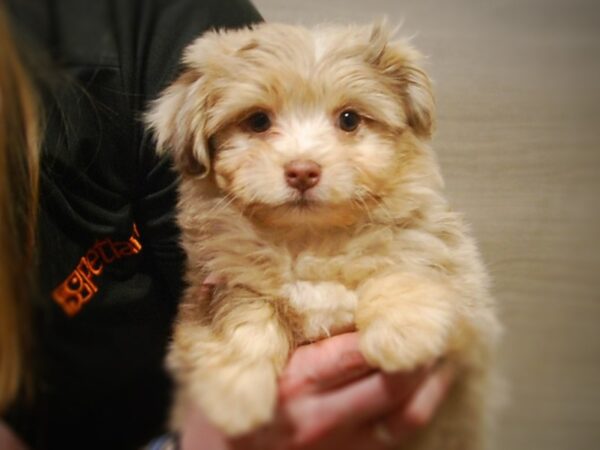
(178, 121)
(400, 65)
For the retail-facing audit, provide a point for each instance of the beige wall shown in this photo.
(518, 84)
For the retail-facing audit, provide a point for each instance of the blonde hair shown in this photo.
(18, 204)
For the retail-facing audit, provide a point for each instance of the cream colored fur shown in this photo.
(374, 246)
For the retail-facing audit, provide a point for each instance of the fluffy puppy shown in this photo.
(308, 186)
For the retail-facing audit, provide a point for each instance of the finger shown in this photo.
(212, 279)
(201, 294)
(424, 403)
(197, 433)
(209, 284)
(8, 439)
(367, 439)
(417, 413)
(360, 402)
(362, 438)
(323, 365)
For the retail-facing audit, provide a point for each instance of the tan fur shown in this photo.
(377, 248)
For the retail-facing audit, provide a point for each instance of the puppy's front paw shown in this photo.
(393, 347)
(402, 326)
(238, 399)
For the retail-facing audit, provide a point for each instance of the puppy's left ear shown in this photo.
(178, 121)
(400, 63)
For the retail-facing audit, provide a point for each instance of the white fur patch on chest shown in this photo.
(327, 308)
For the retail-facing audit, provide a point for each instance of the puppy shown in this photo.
(308, 186)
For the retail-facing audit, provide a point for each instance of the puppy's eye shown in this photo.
(349, 120)
(259, 122)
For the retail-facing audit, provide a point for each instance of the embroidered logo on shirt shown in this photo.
(80, 287)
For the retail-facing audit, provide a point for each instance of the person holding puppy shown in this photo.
(109, 270)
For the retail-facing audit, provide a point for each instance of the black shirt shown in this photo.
(109, 261)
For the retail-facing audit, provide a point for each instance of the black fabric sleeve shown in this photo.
(100, 376)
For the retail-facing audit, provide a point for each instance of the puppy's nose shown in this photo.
(302, 175)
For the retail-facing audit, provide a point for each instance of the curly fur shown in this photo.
(374, 246)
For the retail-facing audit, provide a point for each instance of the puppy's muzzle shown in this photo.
(302, 174)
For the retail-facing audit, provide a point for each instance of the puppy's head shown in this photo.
(296, 125)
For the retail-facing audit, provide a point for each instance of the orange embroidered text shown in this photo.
(80, 287)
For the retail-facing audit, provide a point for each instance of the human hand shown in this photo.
(9, 440)
(330, 398)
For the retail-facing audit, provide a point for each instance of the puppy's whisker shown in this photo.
(222, 204)
(249, 208)
(361, 204)
(225, 202)
(381, 205)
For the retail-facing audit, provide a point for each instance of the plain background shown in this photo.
(518, 89)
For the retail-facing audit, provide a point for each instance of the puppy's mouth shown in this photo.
(303, 202)
(297, 203)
